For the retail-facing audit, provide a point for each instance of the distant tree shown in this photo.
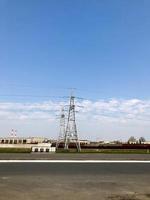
(141, 140)
(132, 140)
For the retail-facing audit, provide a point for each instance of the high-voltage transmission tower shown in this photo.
(71, 135)
(62, 129)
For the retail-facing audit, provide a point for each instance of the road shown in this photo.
(75, 181)
(72, 156)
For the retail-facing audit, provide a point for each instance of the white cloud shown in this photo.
(118, 110)
(105, 115)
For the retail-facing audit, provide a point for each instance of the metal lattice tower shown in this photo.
(71, 135)
(62, 129)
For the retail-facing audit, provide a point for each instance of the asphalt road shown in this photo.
(74, 181)
(72, 156)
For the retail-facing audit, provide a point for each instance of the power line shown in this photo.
(30, 95)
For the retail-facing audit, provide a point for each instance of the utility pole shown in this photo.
(13, 133)
(62, 129)
(71, 135)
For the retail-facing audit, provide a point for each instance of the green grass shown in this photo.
(67, 151)
(107, 151)
(15, 150)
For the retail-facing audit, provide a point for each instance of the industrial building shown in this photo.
(22, 140)
(36, 144)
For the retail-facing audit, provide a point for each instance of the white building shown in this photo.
(43, 147)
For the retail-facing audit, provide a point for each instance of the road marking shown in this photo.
(74, 161)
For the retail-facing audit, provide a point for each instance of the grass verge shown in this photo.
(15, 150)
(106, 151)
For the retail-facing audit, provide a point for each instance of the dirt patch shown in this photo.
(147, 195)
(123, 197)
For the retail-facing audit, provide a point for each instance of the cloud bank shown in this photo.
(105, 117)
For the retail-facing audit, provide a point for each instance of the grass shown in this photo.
(15, 150)
(97, 151)
(107, 151)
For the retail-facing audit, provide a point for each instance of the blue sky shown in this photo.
(99, 47)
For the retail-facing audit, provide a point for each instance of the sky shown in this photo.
(99, 47)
